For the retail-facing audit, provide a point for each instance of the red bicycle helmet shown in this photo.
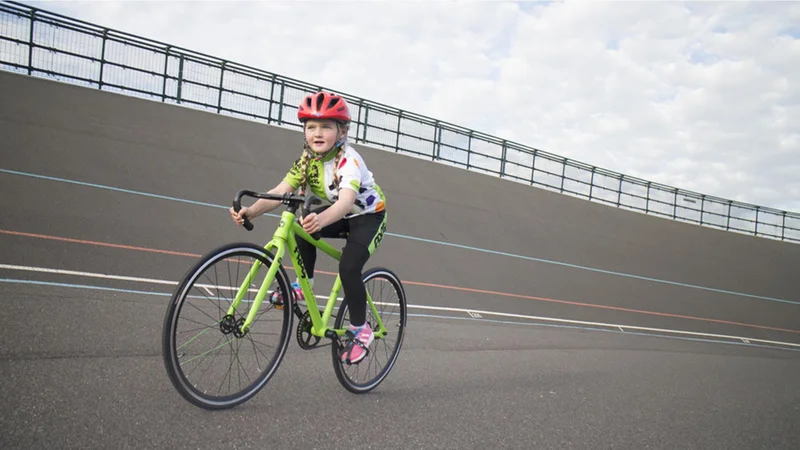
(324, 105)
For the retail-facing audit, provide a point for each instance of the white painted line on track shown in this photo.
(205, 286)
(472, 313)
(604, 325)
(86, 274)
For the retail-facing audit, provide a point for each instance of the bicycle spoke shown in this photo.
(212, 364)
(385, 292)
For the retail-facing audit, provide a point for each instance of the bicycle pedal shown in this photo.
(349, 363)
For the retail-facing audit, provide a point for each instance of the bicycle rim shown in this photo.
(386, 291)
(206, 361)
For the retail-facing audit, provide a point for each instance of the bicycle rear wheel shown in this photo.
(388, 295)
(210, 363)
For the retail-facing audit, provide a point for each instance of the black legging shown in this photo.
(363, 234)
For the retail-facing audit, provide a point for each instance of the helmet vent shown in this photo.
(320, 98)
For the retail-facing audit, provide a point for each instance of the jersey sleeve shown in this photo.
(349, 171)
(293, 177)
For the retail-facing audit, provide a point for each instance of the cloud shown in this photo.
(698, 95)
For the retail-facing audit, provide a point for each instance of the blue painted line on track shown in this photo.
(414, 238)
(81, 286)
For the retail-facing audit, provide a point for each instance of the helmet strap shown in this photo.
(340, 142)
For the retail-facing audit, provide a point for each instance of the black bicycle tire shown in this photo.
(338, 323)
(182, 385)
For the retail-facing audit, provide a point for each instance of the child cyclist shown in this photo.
(334, 171)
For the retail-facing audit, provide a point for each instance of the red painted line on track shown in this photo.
(100, 244)
(416, 283)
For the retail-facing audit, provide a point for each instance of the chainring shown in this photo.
(305, 339)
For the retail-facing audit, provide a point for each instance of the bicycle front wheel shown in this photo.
(211, 363)
(389, 298)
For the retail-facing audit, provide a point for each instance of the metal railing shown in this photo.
(45, 44)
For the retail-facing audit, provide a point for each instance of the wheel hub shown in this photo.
(229, 325)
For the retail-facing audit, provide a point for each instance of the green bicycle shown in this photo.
(222, 309)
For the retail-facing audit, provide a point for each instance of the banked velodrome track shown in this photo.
(537, 321)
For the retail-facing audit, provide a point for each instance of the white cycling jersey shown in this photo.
(353, 174)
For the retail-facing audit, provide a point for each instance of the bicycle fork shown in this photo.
(262, 290)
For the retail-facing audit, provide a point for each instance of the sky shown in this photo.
(703, 96)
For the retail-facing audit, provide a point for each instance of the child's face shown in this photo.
(321, 135)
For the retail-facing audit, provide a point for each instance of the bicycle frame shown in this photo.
(285, 238)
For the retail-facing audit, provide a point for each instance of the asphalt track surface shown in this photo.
(537, 320)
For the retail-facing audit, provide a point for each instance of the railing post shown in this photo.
(503, 156)
(280, 104)
(675, 206)
(103, 58)
(166, 74)
(437, 142)
(756, 231)
(397, 140)
(366, 123)
(591, 183)
(783, 226)
(647, 200)
(221, 81)
(30, 42)
(358, 119)
(702, 207)
(180, 77)
(533, 167)
(271, 98)
(728, 224)
(469, 147)
(563, 173)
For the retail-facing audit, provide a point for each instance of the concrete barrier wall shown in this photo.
(61, 130)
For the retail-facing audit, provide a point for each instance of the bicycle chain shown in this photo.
(304, 336)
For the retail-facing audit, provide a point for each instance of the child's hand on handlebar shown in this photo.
(239, 217)
(311, 223)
